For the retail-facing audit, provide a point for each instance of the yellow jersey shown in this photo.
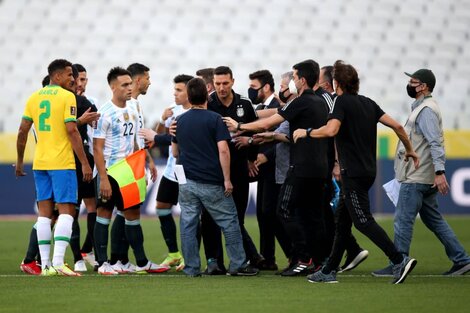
(50, 108)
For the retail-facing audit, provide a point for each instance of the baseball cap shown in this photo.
(425, 76)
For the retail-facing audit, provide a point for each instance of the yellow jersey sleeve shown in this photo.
(70, 108)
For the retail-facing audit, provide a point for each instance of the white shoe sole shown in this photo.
(360, 257)
(408, 268)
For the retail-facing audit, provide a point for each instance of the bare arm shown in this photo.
(224, 158)
(175, 150)
(77, 146)
(266, 112)
(264, 124)
(329, 130)
(152, 167)
(105, 186)
(21, 141)
(388, 121)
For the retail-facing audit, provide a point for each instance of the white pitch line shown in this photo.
(264, 276)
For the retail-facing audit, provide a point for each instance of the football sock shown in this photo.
(75, 240)
(119, 242)
(89, 239)
(62, 234)
(168, 227)
(101, 239)
(33, 248)
(44, 234)
(136, 240)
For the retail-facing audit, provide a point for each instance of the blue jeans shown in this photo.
(422, 199)
(193, 197)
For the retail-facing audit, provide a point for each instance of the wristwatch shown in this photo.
(440, 172)
(309, 130)
(250, 140)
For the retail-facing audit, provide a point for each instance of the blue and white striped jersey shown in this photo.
(135, 105)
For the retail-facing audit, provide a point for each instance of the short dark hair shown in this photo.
(115, 72)
(57, 65)
(45, 81)
(264, 77)
(137, 69)
(308, 69)
(207, 74)
(328, 74)
(197, 91)
(223, 70)
(74, 71)
(182, 78)
(346, 76)
(80, 67)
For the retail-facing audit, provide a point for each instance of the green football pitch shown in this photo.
(425, 290)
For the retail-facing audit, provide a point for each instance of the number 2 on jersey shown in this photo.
(43, 125)
(128, 127)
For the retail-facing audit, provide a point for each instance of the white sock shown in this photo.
(62, 233)
(43, 229)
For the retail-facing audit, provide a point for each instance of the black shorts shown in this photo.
(85, 190)
(168, 191)
(116, 198)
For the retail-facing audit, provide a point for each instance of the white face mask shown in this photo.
(292, 88)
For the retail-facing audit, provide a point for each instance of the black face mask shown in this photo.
(253, 95)
(282, 97)
(411, 91)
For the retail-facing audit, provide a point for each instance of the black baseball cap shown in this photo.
(425, 76)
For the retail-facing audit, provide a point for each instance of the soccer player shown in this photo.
(53, 111)
(113, 140)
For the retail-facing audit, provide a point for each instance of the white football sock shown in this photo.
(44, 233)
(62, 233)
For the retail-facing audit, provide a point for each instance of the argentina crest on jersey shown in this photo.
(240, 111)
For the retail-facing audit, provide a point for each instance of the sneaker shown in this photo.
(385, 272)
(129, 267)
(123, 268)
(49, 271)
(180, 266)
(173, 259)
(89, 258)
(213, 268)
(352, 261)
(106, 269)
(80, 266)
(152, 268)
(65, 270)
(320, 277)
(401, 271)
(30, 268)
(247, 270)
(300, 269)
(458, 270)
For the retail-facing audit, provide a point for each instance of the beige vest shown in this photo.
(405, 172)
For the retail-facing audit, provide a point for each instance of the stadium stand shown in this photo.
(382, 38)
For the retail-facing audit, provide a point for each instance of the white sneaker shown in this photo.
(129, 267)
(123, 268)
(89, 257)
(80, 266)
(152, 268)
(106, 269)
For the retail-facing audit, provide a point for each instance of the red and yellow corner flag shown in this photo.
(129, 173)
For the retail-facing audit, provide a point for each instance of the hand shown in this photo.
(172, 129)
(299, 133)
(253, 169)
(147, 134)
(87, 173)
(105, 189)
(336, 172)
(231, 124)
(261, 159)
(414, 156)
(440, 182)
(153, 171)
(265, 137)
(241, 141)
(89, 117)
(167, 113)
(228, 188)
(19, 169)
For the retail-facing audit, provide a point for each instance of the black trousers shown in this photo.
(300, 208)
(354, 207)
(270, 227)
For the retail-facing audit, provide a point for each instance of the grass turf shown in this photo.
(424, 291)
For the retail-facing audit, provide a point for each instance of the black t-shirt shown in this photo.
(241, 110)
(197, 136)
(308, 155)
(328, 99)
(84, 104)
(356, 140)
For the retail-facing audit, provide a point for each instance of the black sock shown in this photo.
(119, 242)
(75, 241)
(101, 242)
(90, 225)
(33, 247)
(136, 240)
(168, 226)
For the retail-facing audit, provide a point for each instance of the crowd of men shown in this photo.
(315, 134)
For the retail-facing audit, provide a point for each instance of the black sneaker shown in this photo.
(401, 271)
(248, 270)
(300, 269)
(384, 272)
(214, 269)
(352, 261)
(458, 269)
